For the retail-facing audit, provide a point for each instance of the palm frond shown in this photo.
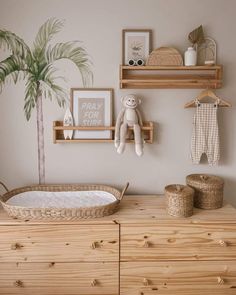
(31, 92)
(12, 67)
(45, 34)
(15, 44)
(75, 53)
(50, 89)
(46, 72)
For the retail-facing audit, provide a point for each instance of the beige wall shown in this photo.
(99, 24)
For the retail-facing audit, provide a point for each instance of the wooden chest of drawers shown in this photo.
(138, 251)
(61, 259)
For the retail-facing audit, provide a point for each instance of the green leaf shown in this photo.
(51, 90)
(12, 67)
(47, 72)
(31, 92)
(15, 44)
(38, 67)
(45, 34)
(75, 53)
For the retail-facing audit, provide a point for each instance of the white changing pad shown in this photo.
(77, 199)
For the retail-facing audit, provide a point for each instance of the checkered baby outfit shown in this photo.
(205, 137)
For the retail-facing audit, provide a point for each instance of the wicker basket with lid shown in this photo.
(179, 199)
(208, 190)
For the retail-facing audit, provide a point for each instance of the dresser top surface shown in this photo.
(142, 209)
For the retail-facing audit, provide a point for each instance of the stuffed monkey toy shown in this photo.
(129, 116)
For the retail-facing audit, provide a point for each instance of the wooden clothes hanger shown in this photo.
(208, 93)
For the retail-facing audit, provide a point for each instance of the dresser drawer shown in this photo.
(59, 243)
(185, 242)
(59, 278)
(198, 277)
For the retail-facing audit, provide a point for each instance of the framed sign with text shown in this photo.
(92, 107)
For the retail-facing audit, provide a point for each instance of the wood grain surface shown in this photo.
(159, 254)
(138, 277)
(59, 278)
(185, 242)
(59, 243)
(142, 209)
(147, 77)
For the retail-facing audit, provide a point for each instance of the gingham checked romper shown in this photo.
(205, 137)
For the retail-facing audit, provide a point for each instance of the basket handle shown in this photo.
(204, 177)
(179, 188)
(124, 190)
(5, 187)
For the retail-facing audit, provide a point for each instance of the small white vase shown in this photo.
(190, 57)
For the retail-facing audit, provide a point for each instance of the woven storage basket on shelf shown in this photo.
(208, 190)
(179, 199)
(54, 213)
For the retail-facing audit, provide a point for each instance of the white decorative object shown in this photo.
(129, 116)
(138, 62)
(77, 199)
(68, 121)
(190, 57)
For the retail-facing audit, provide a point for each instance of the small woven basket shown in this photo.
(208, 190)
(179, 200)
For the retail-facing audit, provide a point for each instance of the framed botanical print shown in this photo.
(92, 107)
(136, 45)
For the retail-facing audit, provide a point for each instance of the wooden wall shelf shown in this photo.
(58, 136)
(147, 77)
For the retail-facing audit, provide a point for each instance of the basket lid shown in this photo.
(179, 190)
(199, 179)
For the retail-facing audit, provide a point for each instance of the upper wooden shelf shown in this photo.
(58, 137)
(171, 77)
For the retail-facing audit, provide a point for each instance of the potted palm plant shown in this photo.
(36, 66)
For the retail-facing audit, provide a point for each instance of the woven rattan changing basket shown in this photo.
(26, 213)
(208, 190)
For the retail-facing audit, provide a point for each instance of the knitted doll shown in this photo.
(129, 116)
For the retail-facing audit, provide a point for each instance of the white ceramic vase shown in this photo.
(190, 57)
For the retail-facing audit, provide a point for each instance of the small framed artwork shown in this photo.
(92, 107)
(136, 45)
